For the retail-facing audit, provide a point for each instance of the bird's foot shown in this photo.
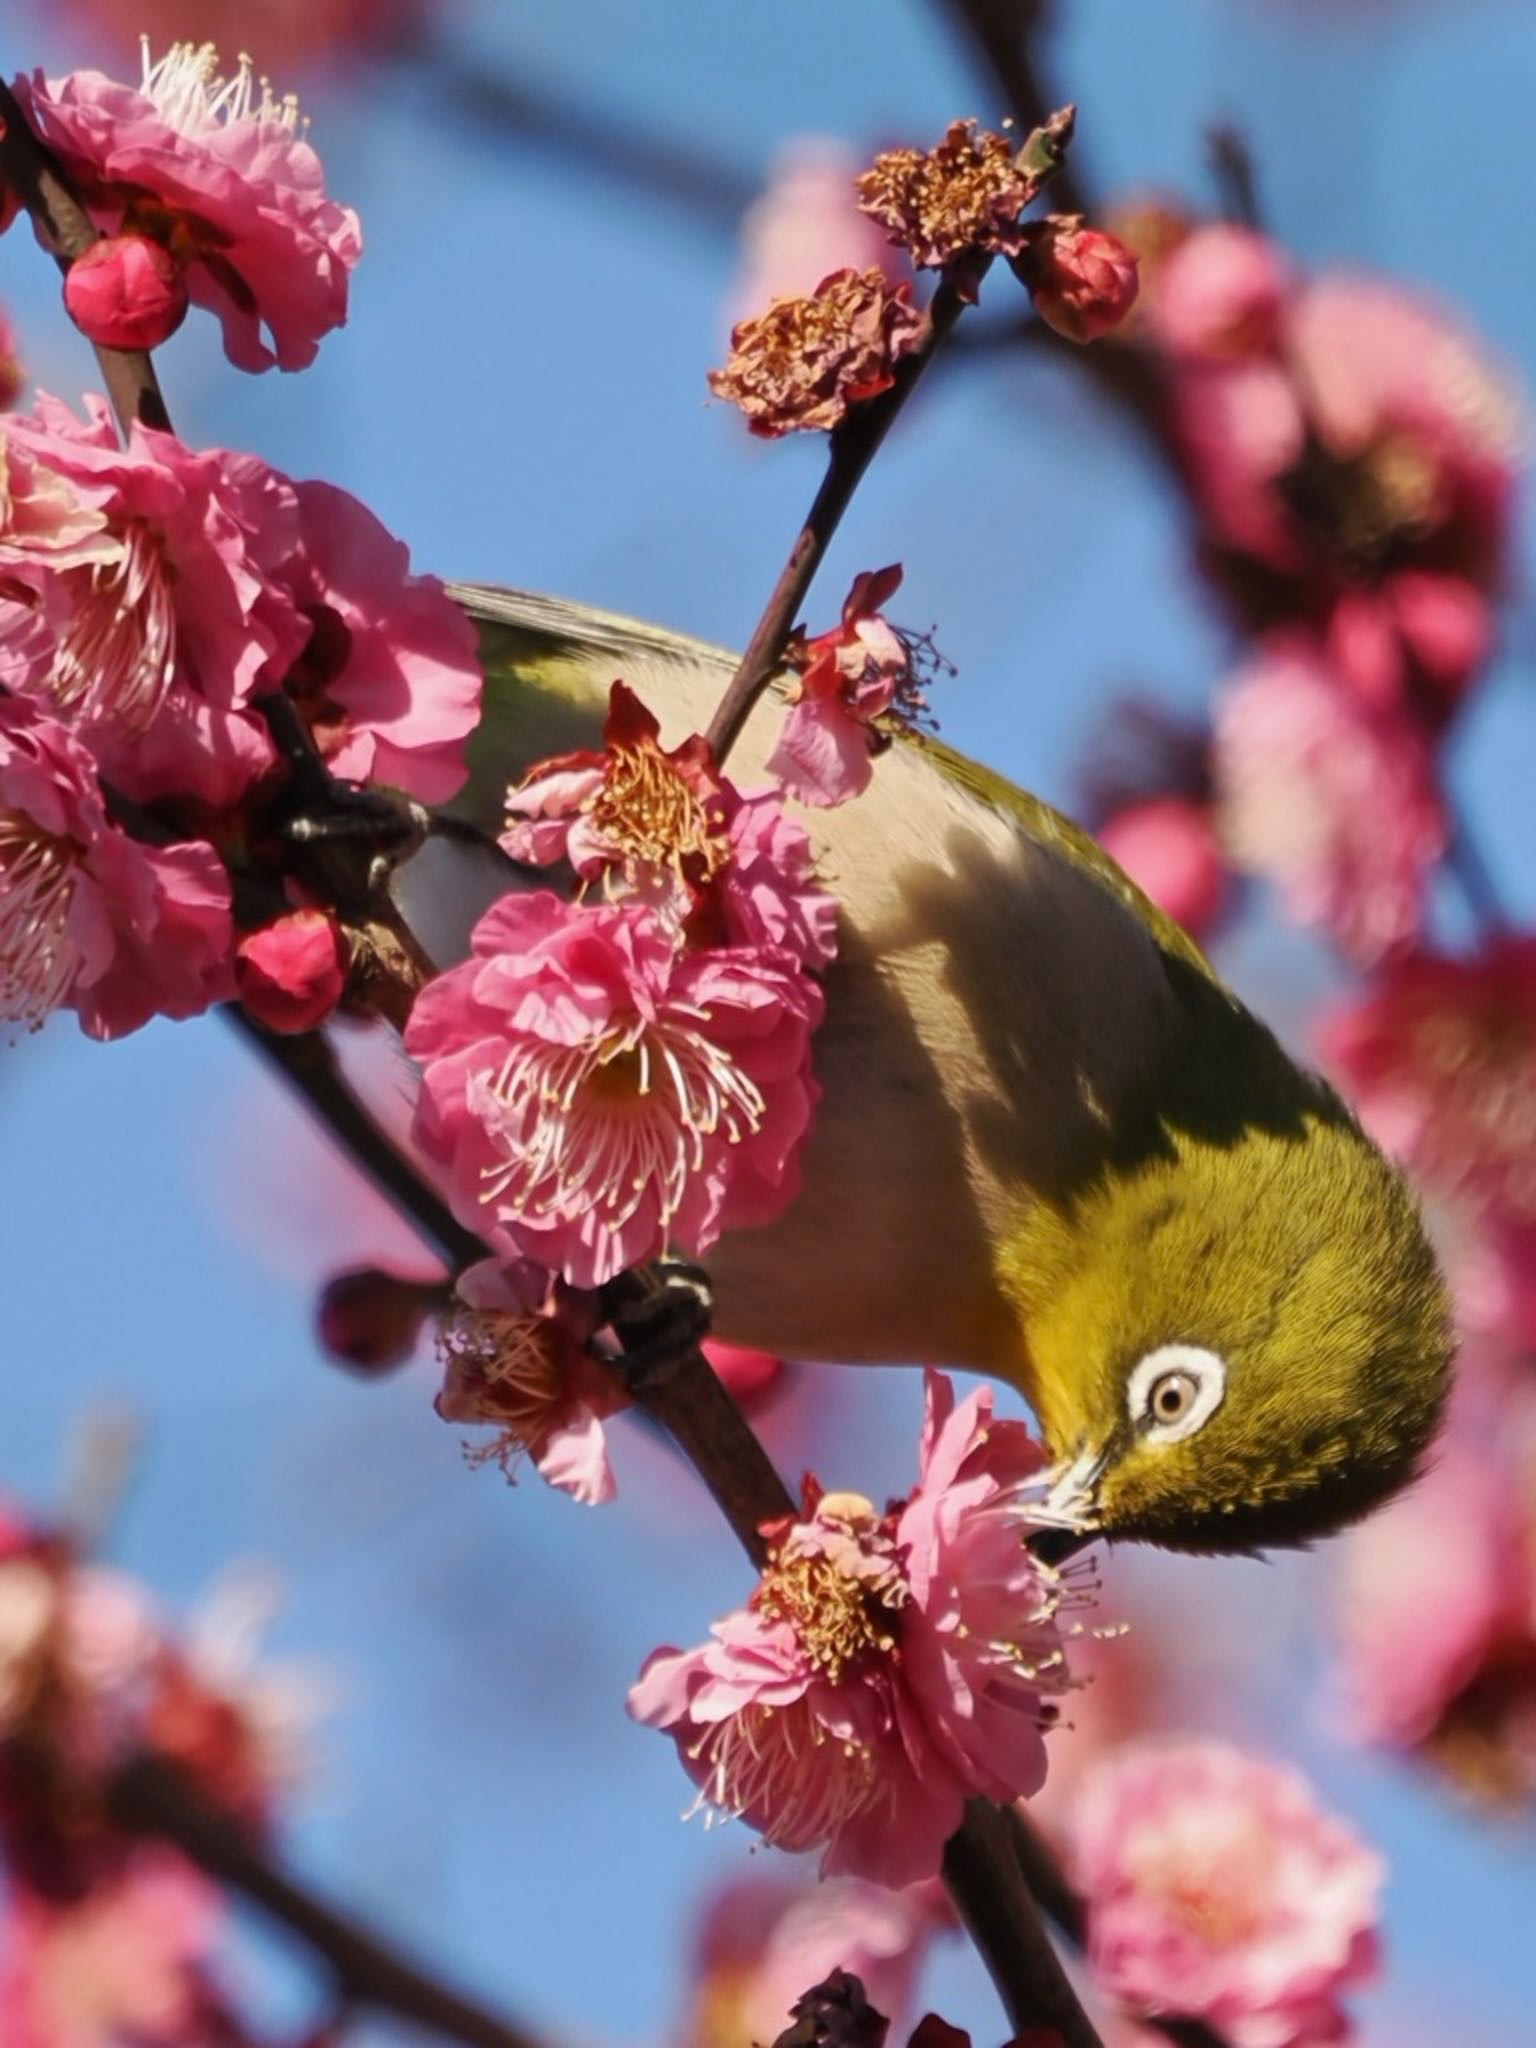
(659, 1313)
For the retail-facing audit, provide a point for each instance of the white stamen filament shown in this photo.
(758, 1761)
(117, 657)
(592, 1135)
(38, 962)
(187, 88)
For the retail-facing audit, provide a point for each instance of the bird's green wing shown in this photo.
(548, 666)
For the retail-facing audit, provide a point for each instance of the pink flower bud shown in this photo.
(290, 974)
(1167, 845)
(370, 1320)
(126, 292)
(1084, 280)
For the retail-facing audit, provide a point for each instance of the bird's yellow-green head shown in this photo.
(1238, 1334)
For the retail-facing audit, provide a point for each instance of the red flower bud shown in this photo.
(290, 974)
(126, 291)
(1083, 281)
(371, 1320)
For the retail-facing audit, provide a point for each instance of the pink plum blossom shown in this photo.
(667, 828)
(846, 680)
(1365, 463)
(1219, 294)
(280, 34)
(225, 178)
(1332, 800)
(122, 1963)
(126, 291)
(1439, 1058)
(887, 1668)
(1168, 846)
(137, 596)
(806, 224)
(764, 1940)
(515, 1355)
(389, 683)
(290, 974)
(1438, 1592)
(595, 1091)
(1217, 1889)
(91, 919)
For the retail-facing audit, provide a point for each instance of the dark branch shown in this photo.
(146, 1795)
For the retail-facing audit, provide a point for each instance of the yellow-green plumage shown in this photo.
(1050, 1140)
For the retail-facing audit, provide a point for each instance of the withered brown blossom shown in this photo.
(965, 194)
(803, 362)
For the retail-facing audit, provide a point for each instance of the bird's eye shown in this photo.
(1175, 1390)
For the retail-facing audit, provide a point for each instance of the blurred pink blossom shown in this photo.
(595, 1091)
(1356, 475)
(123, 1963)
(1440, 1588)
(1219, 293)
(846, 680)
(764, 1941)
(1439, 1058)
(806, 224)
(223, 175)
(1168, 846)
(1330, 799)
(89, 918)
(126, 291)
(888, 1666)
(514, 1355)
(1217, 1889)
(281, 35)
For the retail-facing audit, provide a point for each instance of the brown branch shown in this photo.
(147, 1795)
(854, 446)
(66, 231)
(309, 1066)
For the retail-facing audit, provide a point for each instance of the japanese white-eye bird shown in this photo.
(1051, 1146)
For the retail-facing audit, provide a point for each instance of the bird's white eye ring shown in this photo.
(1175, 1390)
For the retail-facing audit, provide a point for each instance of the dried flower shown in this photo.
(803, 362)
(966, 193)
(888, 1666)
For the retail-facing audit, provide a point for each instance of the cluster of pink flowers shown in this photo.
(152, 596)
(1216, 1889)
(888, 1667)
(1349, 458)
(604, 1078)
(206, 189)
(106, 1937)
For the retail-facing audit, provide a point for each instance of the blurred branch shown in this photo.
(146, 1795)
(1003, 34)
(601, 145)
(1231, 164)
(65, 230)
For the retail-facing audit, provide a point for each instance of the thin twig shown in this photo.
(67, 231)
(854, 446)
(1231, 164)
(147, 1795)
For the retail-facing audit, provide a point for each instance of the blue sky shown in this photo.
(520, 393)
